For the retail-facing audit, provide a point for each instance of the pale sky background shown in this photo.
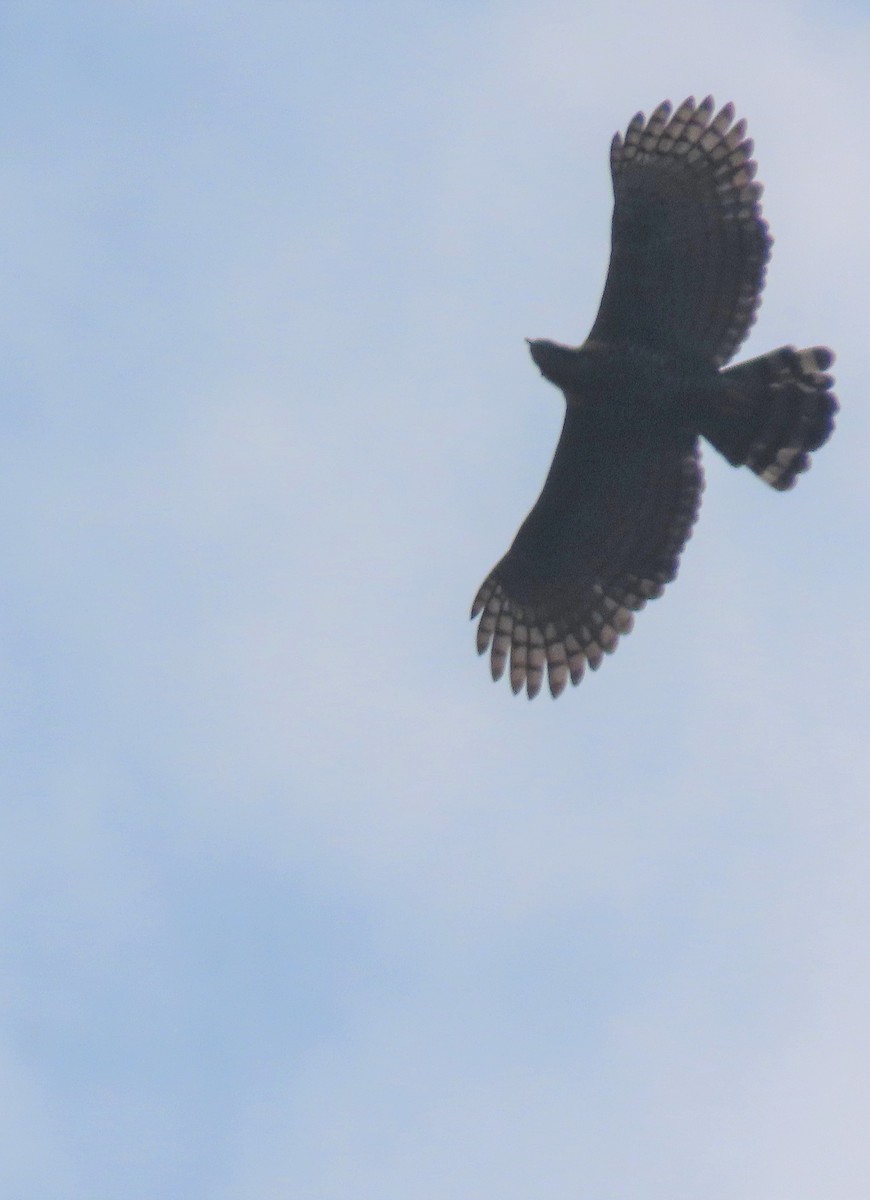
(296, 904)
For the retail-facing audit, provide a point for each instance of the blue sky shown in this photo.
(295, 902)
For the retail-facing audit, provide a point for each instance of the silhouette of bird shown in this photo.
(688, 255)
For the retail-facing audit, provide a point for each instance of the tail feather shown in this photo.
(770, 412)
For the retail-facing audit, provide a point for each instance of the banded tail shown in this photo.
(772, 411)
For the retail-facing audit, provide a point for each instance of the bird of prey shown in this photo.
(688, 255)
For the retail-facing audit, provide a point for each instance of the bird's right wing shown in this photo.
(689, 246)
(604, 537)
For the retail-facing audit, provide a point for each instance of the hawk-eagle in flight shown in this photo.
(687, 265)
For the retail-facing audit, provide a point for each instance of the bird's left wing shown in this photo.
(689, 245)
(604, 537)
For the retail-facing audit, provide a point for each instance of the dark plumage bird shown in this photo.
(687, 265)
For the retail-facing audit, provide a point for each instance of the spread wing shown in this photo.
(689, 246)
(604, 537)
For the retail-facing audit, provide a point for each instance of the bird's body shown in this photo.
(687, 266)
(631, 383)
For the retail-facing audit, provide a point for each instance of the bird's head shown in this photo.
(552, 360)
